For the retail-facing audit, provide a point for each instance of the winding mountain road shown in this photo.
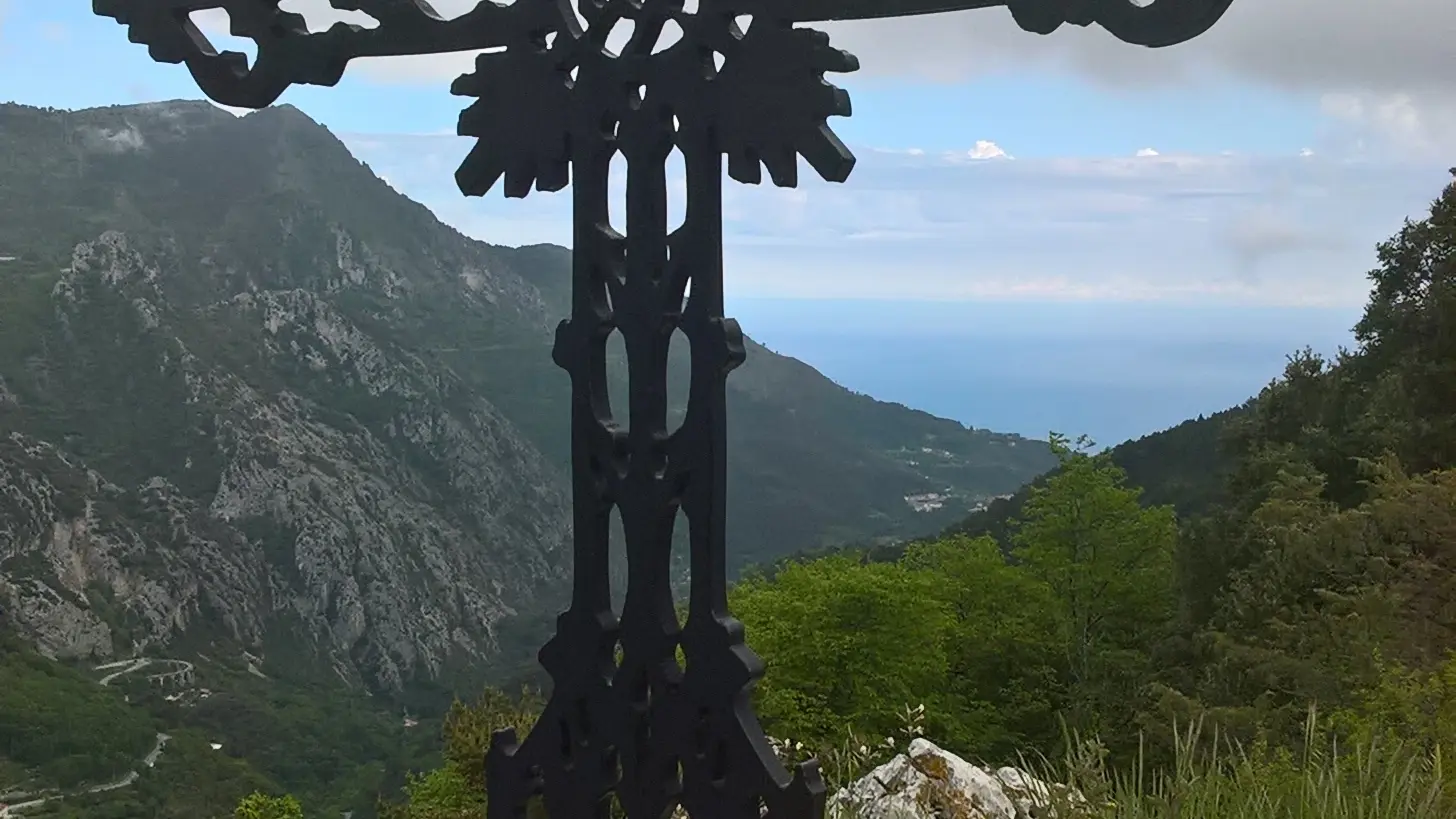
(130, 666)
(150, 760)
(126, 666)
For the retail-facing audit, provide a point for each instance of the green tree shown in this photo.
(456, 789)
(1408, 334)
(1005, 661)
(1297, 625)
(1410, 706)
(469, 727)
(1108, 563)
(1348, 609)
(444, 793)
(847, 645)
(60, 724)
(259, 805)
(1395, 394)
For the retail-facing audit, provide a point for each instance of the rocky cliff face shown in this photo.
(251, 395)
(386, 551)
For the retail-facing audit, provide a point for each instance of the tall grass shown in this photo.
(1378, 778)
(1211, 777)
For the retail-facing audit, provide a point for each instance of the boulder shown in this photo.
(929, 782)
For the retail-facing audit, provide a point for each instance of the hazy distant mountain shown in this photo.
(251, 397)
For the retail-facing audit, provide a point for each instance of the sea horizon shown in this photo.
(1112, 371)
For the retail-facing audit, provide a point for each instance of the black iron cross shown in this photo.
(553, 106)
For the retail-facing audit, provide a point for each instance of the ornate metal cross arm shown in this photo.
(1163, 23)
(288, 54)
(552, 107)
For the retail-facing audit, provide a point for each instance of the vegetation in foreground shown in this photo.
(1288, 653)
(1285, 654)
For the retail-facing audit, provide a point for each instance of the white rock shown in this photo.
(925, 782)
(1028, 793)
(1035, 798)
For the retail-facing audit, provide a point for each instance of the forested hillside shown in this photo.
(265, 418)
(1249, 615)
(75, 741)
(1186, 467)
(1263, 629)
(270, 404)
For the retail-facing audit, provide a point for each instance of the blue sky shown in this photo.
(993, 163)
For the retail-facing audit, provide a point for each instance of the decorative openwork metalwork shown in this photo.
(553, 105)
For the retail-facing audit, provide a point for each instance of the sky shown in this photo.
(1257, 165)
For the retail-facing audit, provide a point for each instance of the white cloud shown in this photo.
(1398, 121)
(1256, 230)
(1147, 152)
(1385, 64)
(986, 149)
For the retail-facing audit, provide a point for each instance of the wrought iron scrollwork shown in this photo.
(1155, 25)
(552, 106)
(557, 105)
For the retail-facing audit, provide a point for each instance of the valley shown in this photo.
(284, 510)
(253, 399)
(275, 442)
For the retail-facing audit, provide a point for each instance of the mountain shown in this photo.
(1184, 466)
(253, 399)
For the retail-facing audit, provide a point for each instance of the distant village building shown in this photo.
(928, 502)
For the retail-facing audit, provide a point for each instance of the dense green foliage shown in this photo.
(836, 632)
(1277, 577)
(258, 805)
(57, 727)
(997, 649)
(1185, 467)
(156, 370)
(190, 781)
(455, 790)
(62, 733)
(1285, 650)
(329, 746)
(1319, 572)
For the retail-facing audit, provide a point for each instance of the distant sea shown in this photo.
(1110, 371)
